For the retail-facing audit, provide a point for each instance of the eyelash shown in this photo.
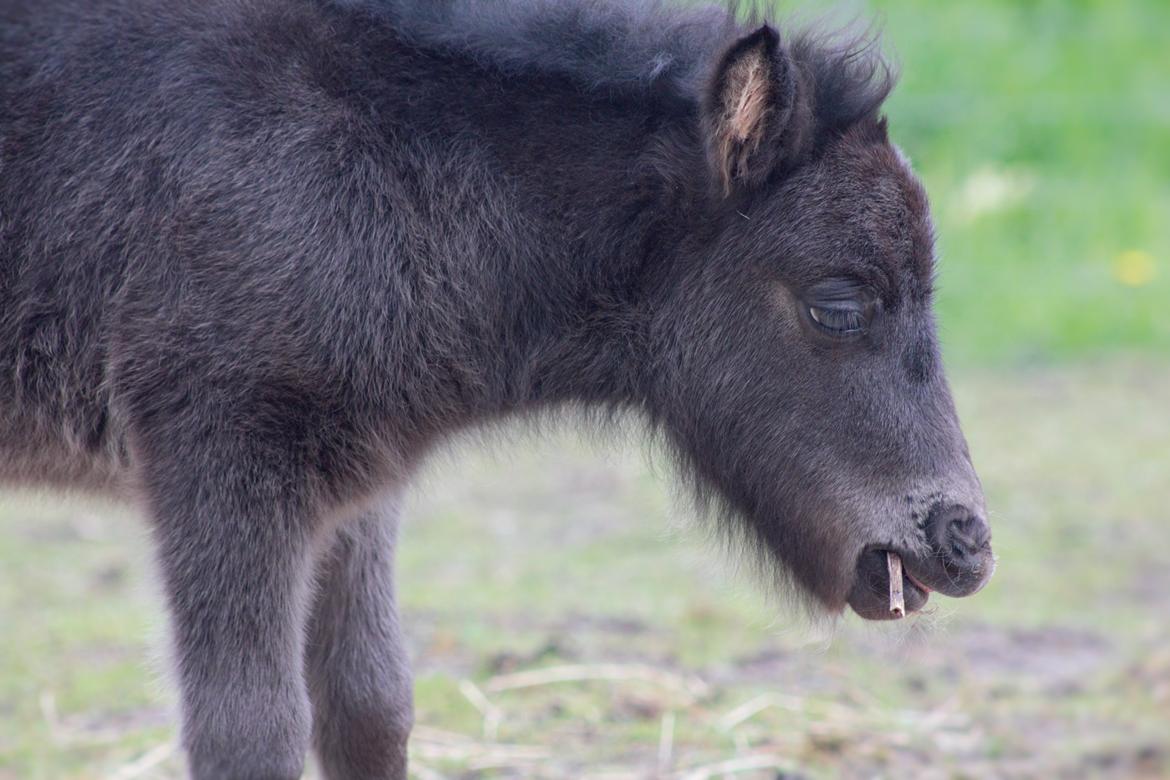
(838, 320)
(841, 308)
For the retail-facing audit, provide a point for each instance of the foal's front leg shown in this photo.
(234, 546)
(359, 673)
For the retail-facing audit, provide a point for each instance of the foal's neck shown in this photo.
(614, 228)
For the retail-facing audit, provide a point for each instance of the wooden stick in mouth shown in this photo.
(897, 599)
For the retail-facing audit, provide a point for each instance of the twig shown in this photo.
(897, 600)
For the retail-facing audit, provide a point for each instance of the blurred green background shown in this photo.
(1042, 131)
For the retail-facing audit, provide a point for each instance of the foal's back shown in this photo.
(166, 176)
(265, 192)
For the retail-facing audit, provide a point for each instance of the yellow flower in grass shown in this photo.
(1134, 267)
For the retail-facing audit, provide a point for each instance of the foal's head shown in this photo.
(798, 365)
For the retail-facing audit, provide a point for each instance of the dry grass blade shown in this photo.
(690, 686)
(751, 707)
(480, 754)
(423, 772)
(735, 766)
(145, 763)
(492, 715)
(666, 743)
(439, 745)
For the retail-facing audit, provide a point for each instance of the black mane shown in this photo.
(635, 46)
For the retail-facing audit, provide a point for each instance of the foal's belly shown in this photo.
(37, 455)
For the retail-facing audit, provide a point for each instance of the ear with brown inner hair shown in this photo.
(753, 114)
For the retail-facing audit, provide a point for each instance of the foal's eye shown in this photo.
(841, 307)
(841, 319)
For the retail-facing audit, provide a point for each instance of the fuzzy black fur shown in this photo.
(259, 257)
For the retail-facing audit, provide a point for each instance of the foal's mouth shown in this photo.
(870, 595)
(921, 576)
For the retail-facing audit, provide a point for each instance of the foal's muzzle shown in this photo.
(959, 561)
(956, 560)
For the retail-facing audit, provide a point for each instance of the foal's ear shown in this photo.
(750, 111)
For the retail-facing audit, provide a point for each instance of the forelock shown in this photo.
(847, 74)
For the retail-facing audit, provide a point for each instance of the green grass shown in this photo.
(1042, 131)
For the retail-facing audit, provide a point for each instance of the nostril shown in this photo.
(958, 534)
(969, 535)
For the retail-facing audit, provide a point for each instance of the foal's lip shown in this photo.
(915, 581)
(956, 580)
(910, 581)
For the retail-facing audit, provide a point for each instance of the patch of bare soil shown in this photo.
(1049, 660)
